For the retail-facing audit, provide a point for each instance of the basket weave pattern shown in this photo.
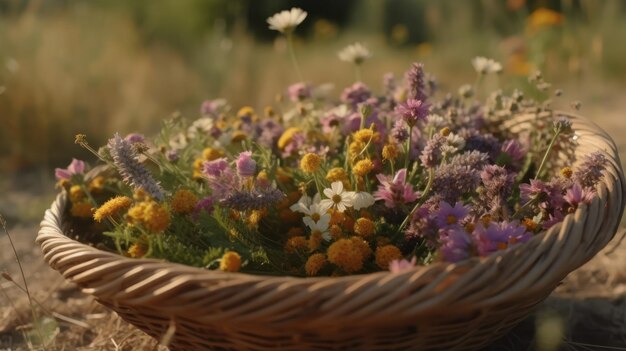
(442, 306)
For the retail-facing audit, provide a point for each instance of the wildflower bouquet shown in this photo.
(406, 179)
(318, 186)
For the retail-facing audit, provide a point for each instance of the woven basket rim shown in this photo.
(433, 283)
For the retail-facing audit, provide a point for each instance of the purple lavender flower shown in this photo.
(498, 186)
(431, 155)
(220, 177)
(395, 192)
(589, 172)
(448, 215)
(577, 195)
(356, 93)
(499, 236)
(400, 131)
(299, 91)
(252, 200)
(246, 165)
(473, 159)
(453, 180)
(415, 80)
(455, 244)
(413, 111)
(203, 206)
(75, 167)
(216, 167)
(132, 171)
(397, 266)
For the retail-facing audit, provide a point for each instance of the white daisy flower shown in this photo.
(337, 197)
(286, 21)
(484, 65)
(304, 203)
(355, 53)
(322, 228)
(453, 144)
(363, 199)
(317, 216)
(201, 126)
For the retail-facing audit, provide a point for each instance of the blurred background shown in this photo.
(101, 66)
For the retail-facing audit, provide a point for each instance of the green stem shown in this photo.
(292, 53)
(545, 156)
(408, 148)
(422, 199)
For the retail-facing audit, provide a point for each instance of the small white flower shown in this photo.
(322, 228)
(437, 122)
(363, 199)
(317, 216)
(453, 143)
(201, 126)
(484, 65)
(287, 21)
(304, 203)
(355, 53)
(337, 197)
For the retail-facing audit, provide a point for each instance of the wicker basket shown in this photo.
(461, 306)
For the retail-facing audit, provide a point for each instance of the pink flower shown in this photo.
(455, 244)
(246, 165)
(298, 92)
(76, 167)
(578, 195)
(449, 216)
(396, 266)
(413, 111)
(395, 192)
(499, 236)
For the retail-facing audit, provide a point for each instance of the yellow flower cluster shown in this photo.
(287, 136)
(386, 254)
(349, 254)
(314, 264)
(150, 215)
(184, 201)
(363, 167)
(390, 152)
(310, 163)
(81, 209)
(364, 227)
(296, 244)
(230, 262)
(137, 250)
(112, 207)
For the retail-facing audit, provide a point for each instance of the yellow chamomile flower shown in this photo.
(314, 264)
(184, 201)
(363, 135)
(386, 254)
(390, 152)
(112, 207)
(230, 262)
(310, 163)
(363, 167)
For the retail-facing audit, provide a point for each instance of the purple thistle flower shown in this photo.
(397, 266)
(395, 191)
(133, 173)
(514, 149)
(356, 93)
(220, 178)
(453, 180)
(216, 167)
(75, 167)
(415, 80)
(498, 186)
(299, 91)
(252, 200)
(400, 131)
(246, 165)
(413, 111)
(268, 132)
(448, 215)
(455, 244)
(578, 195)
(589, 172)
(547, 195)
(499, 236)
(203, 206)
(431, 155)
(135, 138)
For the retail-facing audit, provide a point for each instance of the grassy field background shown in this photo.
(99, 67)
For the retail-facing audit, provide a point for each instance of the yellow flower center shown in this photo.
(451, 219)
(315, 216)
(336, 198)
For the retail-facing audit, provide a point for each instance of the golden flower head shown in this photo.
(112, 207)
(566, 172)
(96, 184)
(151, 215)
(355, 148)
(386, 254)
(363, 167)
(76, 194)
(137, 250)
(246, 111)
(211, 154)
(390, 152)
(287, 136)
(363, 135)
(314, 264)
(81, 209)
(296, 244)
(347, 255)
(364, 227)
(184, 201)
(310, 163)
(230, 262)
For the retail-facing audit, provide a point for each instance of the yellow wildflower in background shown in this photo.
(566, 172)
(362, 246)
(364, 227)
(211, 154)
(81, 209)
(287, 136)
(355, 148)
(296, 244)
(363, 167)
(112, 207)
(246, 111)
(149, 214)
(347, 254)
(337, 174)
(96, 185)
(386, 254)
(137, 250)
(184, 201)
(76, 194)
(314, 264)
(230, 262)
(310, 163)
(390, 152)
(363, 135)
(543, 17)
